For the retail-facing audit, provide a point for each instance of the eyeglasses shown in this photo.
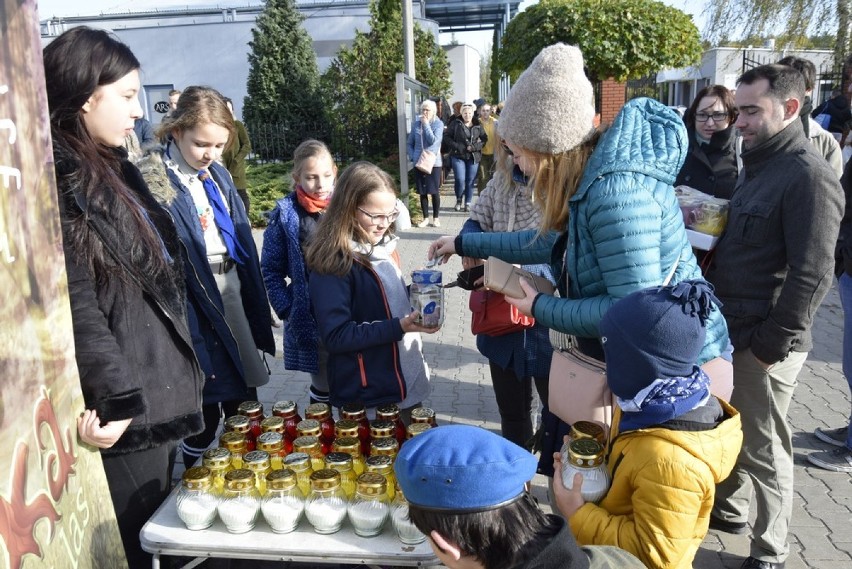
(717, 117)
(507, 150)
(376, 218)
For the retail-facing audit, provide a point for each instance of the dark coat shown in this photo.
(361, 337)
(843, 252)
(838, 109)
(459, 137)
(711, 168)
(133, 346)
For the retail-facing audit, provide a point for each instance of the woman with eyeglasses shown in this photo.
(360, 301)
(711, 162)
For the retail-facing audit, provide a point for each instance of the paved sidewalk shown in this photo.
(821, 532)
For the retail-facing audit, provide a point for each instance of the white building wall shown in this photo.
(464, 72)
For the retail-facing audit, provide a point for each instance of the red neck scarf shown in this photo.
(309, 202)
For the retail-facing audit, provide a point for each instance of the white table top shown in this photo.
(166, 534)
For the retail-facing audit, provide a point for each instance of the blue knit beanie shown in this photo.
(460, 468)
(655, 333)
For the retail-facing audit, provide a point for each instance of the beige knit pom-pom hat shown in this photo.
(550, 108)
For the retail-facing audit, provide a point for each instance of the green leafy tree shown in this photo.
(283, 81)
(622, 39)
(360, 84)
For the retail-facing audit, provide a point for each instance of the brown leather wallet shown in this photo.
(504, 278)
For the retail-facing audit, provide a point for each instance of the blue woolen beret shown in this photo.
(462, 468)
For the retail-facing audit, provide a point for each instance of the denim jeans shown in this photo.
(845, 288)
(464, 172)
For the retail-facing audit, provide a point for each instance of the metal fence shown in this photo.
(828, 76)
(275, 142)
(643, 87)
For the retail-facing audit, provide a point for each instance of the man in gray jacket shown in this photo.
(772, 268)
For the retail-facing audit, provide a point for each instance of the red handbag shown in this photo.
(493, 316)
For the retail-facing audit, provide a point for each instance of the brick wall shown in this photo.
(612, 99)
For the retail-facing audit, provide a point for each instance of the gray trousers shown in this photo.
(765, 464)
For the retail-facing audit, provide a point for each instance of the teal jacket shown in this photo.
(625, 229)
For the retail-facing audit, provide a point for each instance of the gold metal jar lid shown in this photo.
(382, 429)
(415, 429)
(272, 424)
(283, 479)
(197, 478)
(340, 461)
(271, 441)
(306, 444)
(346, 428)
(234, 442)
(389, 412)
(586, 453)
(318, 411)
(238, 424)
(381, 464)
(385, 446)
(256, 460)
(325, 479)
(349, 445)
(216, 458)
(239, 480)
(371, 484)
(251, 409)
(422, 415)
(308, 428)
(588, 430)
(285, 409)
(298, 461)
(354, 411)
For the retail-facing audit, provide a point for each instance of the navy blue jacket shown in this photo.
(361, 337)
(214, 342)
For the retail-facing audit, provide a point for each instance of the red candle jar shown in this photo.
(391, 413)
(254, 411)
(322, 413)
(357, 412)
(289, 411)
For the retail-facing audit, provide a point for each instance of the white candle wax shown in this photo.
(282, 514)
(368, 517)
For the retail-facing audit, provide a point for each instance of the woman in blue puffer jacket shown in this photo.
(611, 223)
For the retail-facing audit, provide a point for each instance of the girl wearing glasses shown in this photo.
(360, 300)
(711, 162)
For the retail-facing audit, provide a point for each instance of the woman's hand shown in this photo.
(444, 247)
(567, 501)
(409, 324)
(91, 432)
(524, 305)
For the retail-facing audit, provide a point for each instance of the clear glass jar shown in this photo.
(586, 457)
(325, 506)
(382, 464)
(240, 503)
(300, 463)
(322, 412)
(196, 501)
(405, 529)
(390, 413)
(313, 448)
(369, 509)
(289, 411)
(415, 429)
(218, 460)
(427, 296)
(352, 446)
(283, 504)
(273, 443)
(258, 462)
(342, 463)
(254, 411)
(424, 415)
(357, 412)
(236, 445)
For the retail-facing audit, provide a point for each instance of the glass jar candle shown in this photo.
(218, 461)
(322, 412)
(352, 446)
(254, 411)
(236, 445)
(313, 428)
(415, 429)
(383, 465)
(240, 503)
(273, 443)
(382, 430)
(587, 430)
(345, 428)
(357, 412)
(312, 447)
(342, 463)
(405, 529)
(272, 424)
(369, 509)
(387, 446)
(300, 463)
(241, 424)
(258, 462)
(586, 457)
(289, 411)
(325, 506)
(390, 413)
(283, 504)
(196, 502)
(424, 415)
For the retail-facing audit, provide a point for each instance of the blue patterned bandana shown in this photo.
(664, 400)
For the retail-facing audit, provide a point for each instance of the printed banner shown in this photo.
(55, 507)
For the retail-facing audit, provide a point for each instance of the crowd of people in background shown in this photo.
(171, 300)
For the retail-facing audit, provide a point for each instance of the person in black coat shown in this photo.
(465, 139)
(838, 110)
(711, 162)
